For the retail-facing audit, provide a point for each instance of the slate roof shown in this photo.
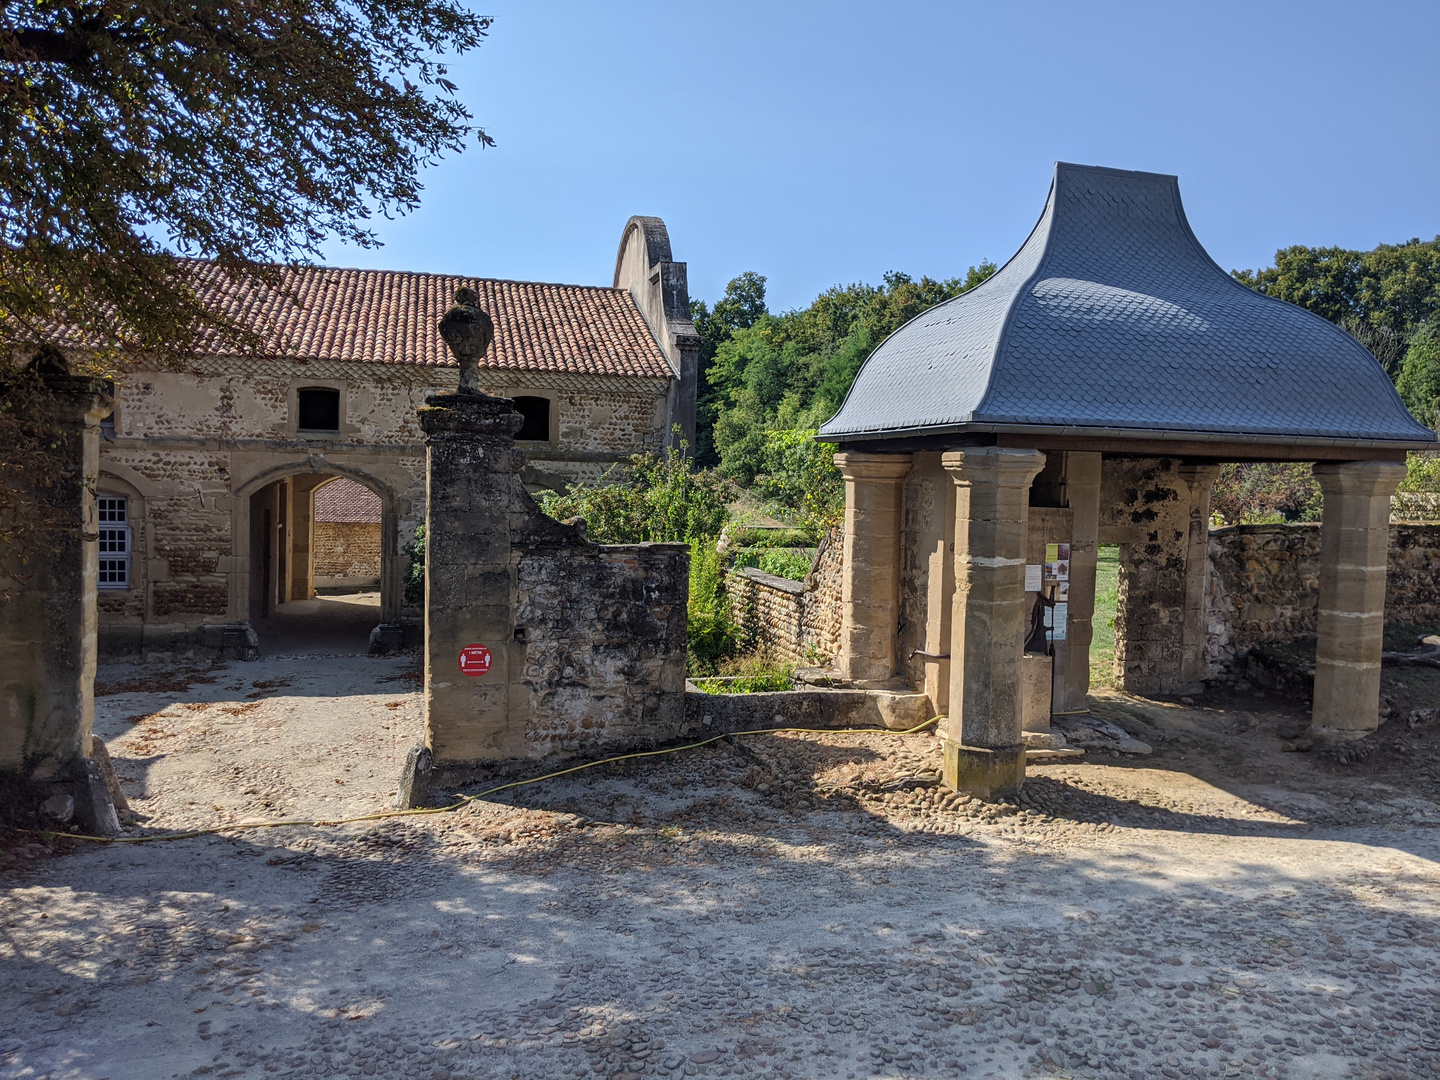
(389, 317)
(346, 501)
(1112, 319)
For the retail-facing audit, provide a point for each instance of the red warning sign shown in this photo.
(474, 660)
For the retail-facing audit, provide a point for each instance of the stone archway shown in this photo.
(312, 472)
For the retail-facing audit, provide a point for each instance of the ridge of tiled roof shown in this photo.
(390, 316)
(1111, 318)
(346, 501)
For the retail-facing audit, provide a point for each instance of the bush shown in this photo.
(755, 673)
(1419, 382)
(790, 563)
(666, 500)
(662, 499)
(414, 582)
(1266, 493)
(799, 474)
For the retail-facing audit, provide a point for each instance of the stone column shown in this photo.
(1354, 546)
(1193, 631)
(471, 467)
(48, 634)
(984, 752)
(1082, 492)
(870, 597)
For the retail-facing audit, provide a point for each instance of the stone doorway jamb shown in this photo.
(1350, 623)
(984, 752)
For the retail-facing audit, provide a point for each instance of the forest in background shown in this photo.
(769, 380)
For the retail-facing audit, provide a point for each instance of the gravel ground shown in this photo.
(774, 906)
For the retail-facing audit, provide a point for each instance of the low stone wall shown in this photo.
(1263, 585)
(601, 631)
(796, 621)
(346, 553)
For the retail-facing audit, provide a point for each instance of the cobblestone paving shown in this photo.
(777, 906)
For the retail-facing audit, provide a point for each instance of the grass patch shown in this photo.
(1107, 594)
(755, 673)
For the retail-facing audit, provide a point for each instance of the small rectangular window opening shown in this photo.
(319, 409)
(114, 514)
(536, 411)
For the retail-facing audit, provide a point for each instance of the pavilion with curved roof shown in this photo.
(1088, 392)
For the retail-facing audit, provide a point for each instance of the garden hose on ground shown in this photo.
(467, 799)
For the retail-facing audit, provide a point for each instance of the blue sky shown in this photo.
(821, 143)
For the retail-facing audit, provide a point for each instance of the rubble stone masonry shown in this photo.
(1263, 584)
(190, 447)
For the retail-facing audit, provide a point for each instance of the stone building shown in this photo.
(208, 474)
(345, 554)
(1088, 393)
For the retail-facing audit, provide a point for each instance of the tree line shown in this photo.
(768, 381)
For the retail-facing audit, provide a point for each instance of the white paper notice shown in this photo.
(1032, 577)
(1062, 614)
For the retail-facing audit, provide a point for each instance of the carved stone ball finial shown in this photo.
(468, 331)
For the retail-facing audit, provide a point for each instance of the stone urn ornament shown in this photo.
(468, 331)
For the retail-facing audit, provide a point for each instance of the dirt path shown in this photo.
(772, 907)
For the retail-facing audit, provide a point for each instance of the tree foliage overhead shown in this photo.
(137, 136)
(1381, 296)
(241, 131)
(766, 373)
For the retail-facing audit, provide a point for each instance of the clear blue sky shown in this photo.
(820, 143)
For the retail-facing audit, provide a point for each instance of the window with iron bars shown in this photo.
(114, 542)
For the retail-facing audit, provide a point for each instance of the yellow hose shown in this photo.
(466, 800)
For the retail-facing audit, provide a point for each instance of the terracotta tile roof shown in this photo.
(389, 317)
(346, 501)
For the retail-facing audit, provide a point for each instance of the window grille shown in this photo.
(114, 513)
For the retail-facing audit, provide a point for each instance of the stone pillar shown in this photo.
(940, 605)
(1082, 492)
(1193, 631)
(471, 468)
(870, 598)
(302, 535)
(984, 751)
(1354, 546)
(48, 634)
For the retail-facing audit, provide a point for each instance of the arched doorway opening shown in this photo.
(319, 571)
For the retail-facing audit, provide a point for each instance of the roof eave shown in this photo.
(1138, 434)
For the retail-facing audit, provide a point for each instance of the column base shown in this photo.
(986, 772)
(1322, 734)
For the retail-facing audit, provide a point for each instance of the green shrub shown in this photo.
(790, 563)
(666, 499)
(711, 633)
(654, 498)
(754, 673)
(414, 590)
(799, 474)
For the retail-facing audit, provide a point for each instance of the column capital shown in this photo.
(1365, 479)
(1199, 473)
(855, 466)
(1001, 466)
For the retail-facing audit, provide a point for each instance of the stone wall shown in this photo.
(602, 663)
(346, 553)
(1263, 585)
(798, 622)
(190, 447)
